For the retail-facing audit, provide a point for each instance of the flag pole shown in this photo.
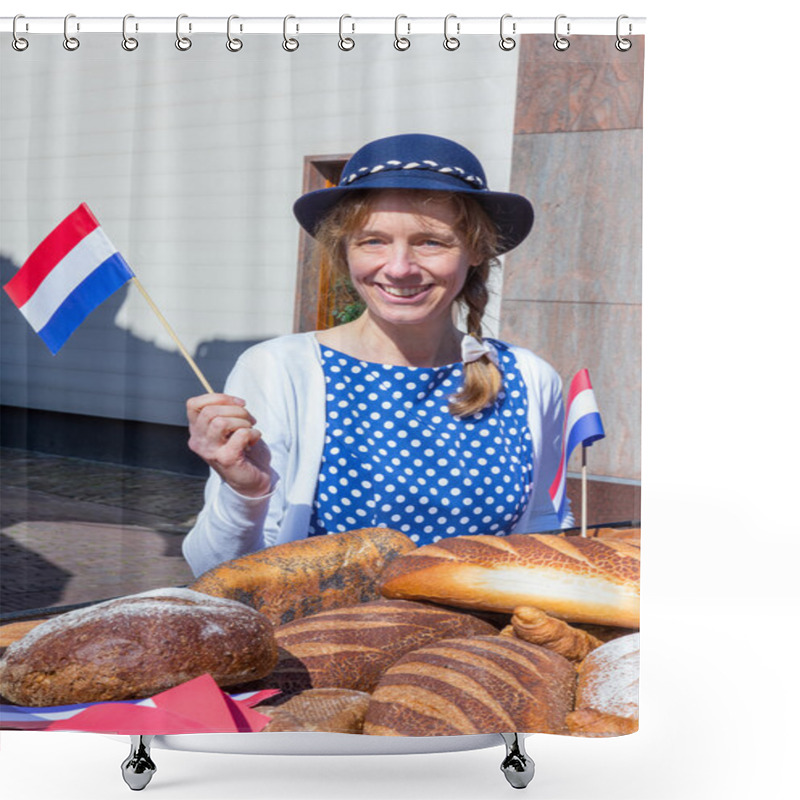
(583, 490)
(184, 351)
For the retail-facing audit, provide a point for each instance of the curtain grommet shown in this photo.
(507, 42)
(233, 44)
(70, 43)
(19, 43)
(401, 43)
(560, 42)
(289, 44)
(346, 43)
(451, 43)
(623, 45)
(183, 43)
(129, 43)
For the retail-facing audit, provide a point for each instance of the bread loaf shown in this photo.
(294, 580)
(135, 647)
(607, 699)
(352, 647)
(573, 578)
(319, 710)
(465, 686)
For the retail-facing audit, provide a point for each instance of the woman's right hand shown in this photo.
(221, 432)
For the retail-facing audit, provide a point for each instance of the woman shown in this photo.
(397, 418)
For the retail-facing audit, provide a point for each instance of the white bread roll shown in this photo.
(607, 700)
(576, 579)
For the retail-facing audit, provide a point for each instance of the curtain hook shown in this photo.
(401, 42)
(289, 44)
(182, 42)
(506, 42)
(451, 42)
(623, 45)
(560, 43)
(70, 42)
(129, 43)
(346, 42)
(233, 44)
(17, 42)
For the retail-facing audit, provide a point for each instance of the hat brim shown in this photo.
(511, 213)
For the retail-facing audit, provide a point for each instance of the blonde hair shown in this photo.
(482, 379)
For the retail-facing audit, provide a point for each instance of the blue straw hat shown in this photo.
(421, 161)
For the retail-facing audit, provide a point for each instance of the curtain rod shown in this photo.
(346, 25)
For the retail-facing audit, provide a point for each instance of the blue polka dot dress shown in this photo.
(395, 457)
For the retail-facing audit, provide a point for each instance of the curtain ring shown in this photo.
(17, 42)
(346, 42)
(401, 42)
(182, 42)
(451, 42)
(623, 45)
(506, 42)
(233, 44)
(289, 44)
(560, 43)
(70, 42)
(129, 43)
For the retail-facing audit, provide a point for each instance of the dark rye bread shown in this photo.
(297, 579)
(352, 647)
(319, 710)
(585, 580)
(468, 686)
(135, 647)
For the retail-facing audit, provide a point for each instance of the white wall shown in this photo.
(192, 161)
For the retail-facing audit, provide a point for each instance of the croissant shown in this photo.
(534, 626)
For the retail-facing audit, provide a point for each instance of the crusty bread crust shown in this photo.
(478, 685)
(135, 647)
(352, 647)
(297, 579)
(584, 580)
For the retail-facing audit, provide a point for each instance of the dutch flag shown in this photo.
(67, 276)
(582, 426)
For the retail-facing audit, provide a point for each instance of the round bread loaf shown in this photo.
(352, 647)
(137, 646)
(607, 698)
(297, 579)
(576, 579)
(467, 686)
(320, 710)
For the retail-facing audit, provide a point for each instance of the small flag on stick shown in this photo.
(582, 426)
(68, 275)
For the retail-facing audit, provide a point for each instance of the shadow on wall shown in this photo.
(103, 370)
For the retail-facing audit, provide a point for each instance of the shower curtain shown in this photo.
(190, 157)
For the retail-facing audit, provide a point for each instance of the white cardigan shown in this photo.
(283, 385)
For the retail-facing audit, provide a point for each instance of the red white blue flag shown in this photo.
(581, 426)
(67, 276)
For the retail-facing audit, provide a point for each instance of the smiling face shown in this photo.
(407, 260)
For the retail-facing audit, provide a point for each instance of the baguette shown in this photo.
(584, 580)
(297, 579)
